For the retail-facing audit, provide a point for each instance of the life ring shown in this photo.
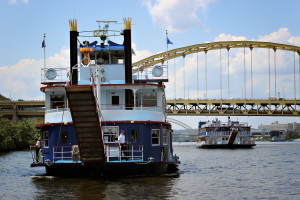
(249, 142)
(210, 142)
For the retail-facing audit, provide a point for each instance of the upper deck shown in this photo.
(121, 95)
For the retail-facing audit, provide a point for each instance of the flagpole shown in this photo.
(44, 50)
(167, 47)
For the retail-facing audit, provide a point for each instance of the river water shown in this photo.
(268, 171)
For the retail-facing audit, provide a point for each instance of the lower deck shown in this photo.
(145, 142)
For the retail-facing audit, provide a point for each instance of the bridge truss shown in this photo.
(242, 107)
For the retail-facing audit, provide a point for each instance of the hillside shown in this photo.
(3, 98)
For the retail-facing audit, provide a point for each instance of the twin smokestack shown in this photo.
(127, 51)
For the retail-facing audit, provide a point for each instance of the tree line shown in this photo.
(18, 136)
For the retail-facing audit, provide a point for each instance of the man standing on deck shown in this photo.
(122, 144)
(37, 147)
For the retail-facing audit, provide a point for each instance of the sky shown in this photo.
(24, 22)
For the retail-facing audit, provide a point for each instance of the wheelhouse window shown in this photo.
(46, 139)
(64, 137)
(134, 135)
(155, 137)
(110, 133)
(57, 100)
(146, 98)
(165, 137)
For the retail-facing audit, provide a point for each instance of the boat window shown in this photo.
(46, 139)
(111, 133)
(146, 98)
(64, 137)
(155, 137)
(134, 135)
(57, 101)
(115, 100)
(165, 137)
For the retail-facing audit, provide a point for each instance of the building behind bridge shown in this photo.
(278, 130)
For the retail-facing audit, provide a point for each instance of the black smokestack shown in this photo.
(127, 51)
(73, 51)
(129, 101)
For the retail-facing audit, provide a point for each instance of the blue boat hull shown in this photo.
(118, 169)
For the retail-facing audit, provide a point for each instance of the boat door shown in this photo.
(166, 151)
(134, 137)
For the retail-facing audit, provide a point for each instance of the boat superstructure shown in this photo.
(231, 134)
(88, 106)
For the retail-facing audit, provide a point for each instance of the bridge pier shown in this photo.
(15, 116)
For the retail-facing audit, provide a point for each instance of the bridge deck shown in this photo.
(213, 107)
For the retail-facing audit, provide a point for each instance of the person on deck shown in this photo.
(122, 144)
(37, 147)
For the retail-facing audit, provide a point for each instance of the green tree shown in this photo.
(291, 135)
(18, 136)
(6, 135)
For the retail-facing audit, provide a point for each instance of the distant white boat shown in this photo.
(232, 134)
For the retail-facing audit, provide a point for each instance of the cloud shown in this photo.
(140, 54)
(176, 15)
(228, 37)
(15, 1)
(280, 36)
(23, 80)
(12, 1)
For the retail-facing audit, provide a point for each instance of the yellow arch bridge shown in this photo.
(270, 106)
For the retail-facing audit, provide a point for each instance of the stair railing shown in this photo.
(96, 99)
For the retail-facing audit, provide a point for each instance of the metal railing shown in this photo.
(147, 74)
(130, 153)
(56, 109)
(60, 75)
(133, 107)
(36, 158)
(62, 153)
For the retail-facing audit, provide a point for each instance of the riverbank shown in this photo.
(17, 136)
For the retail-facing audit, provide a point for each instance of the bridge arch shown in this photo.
(160, 58)
(182, 125)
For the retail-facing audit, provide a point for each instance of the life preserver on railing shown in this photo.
(249, 142)
(210, 142)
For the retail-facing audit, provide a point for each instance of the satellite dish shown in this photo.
(157, 71)
(51, 74)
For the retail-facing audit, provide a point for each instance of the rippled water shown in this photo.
(268, 171)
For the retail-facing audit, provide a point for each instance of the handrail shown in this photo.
(114, 153)
(62, 153)
(61, 76)
(56, 107)
(98, 110)
(124, 106)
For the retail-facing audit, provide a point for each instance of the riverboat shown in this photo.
(231, 134)
(88, 106)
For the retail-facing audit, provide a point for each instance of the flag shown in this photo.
(169, 42)
(43, 44)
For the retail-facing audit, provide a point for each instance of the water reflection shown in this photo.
(131, 188)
